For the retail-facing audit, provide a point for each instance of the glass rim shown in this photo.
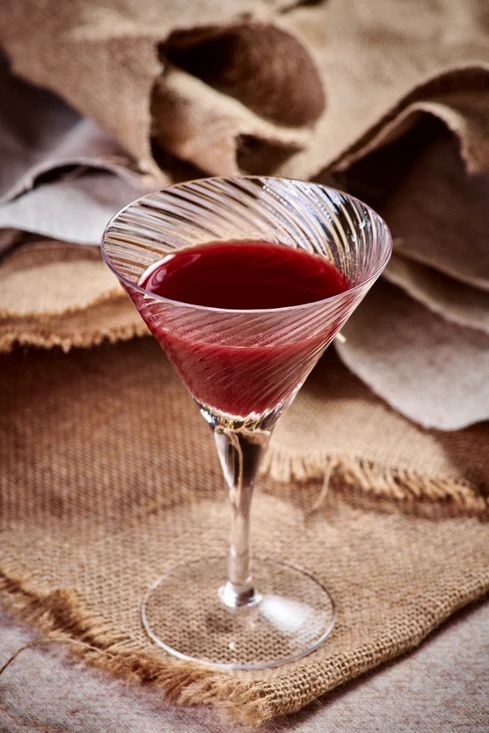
(329, 299)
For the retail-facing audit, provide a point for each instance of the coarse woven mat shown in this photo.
(109, 476)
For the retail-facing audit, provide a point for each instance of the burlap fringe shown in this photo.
(58, 615)
(42, 336)
(401, 486)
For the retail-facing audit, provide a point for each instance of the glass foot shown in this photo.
(183, 613)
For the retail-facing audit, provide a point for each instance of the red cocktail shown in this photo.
(246, 372)
(244, 282)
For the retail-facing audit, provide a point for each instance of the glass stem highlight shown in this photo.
(240, 453)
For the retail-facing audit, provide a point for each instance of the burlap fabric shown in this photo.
(337, 427)
(417, 212)
(56, 294)
(294, 89)
(99, 449)
(282, 87)
(440, 687)
(426, 358)
(109, 477)
(40, 134)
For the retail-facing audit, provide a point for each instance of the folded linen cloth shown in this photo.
(432, 371)
(438, 214)
(449, 298)
(40, 134)
(75, 208)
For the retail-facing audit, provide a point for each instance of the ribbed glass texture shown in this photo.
(243, 367)
(247, 364)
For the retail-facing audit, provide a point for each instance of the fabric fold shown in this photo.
(40, 135)
(74, 208)
(198, 124)
(439, 217)
(458, 98)
(432, 371)
(279, 61)
(450, 299)
(376, 58)
(117, 48)
(54, 294)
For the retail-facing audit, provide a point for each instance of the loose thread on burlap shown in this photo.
(398, 485)
(328, 473)
(42, 642)
(182, 683)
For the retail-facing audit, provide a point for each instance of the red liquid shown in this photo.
(244, 275)
(239, 363)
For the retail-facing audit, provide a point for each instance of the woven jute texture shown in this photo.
(56, 294)
(109, 477)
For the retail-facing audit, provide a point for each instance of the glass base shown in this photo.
(291, 615)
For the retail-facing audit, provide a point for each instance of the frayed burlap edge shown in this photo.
(49, 340)
(419, 100)
(109, 321)
(59, 616)
(402, 487)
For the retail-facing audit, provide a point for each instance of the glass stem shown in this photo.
(240, 452)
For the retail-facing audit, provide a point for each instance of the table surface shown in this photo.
(441, 687)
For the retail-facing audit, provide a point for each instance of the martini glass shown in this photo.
(243, 368)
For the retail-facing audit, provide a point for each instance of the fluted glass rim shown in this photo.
(363, 284)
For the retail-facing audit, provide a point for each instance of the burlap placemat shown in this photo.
(108, 477)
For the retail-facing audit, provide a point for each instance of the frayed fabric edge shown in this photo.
(402, 486)
(49, 339)
(59, 616)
